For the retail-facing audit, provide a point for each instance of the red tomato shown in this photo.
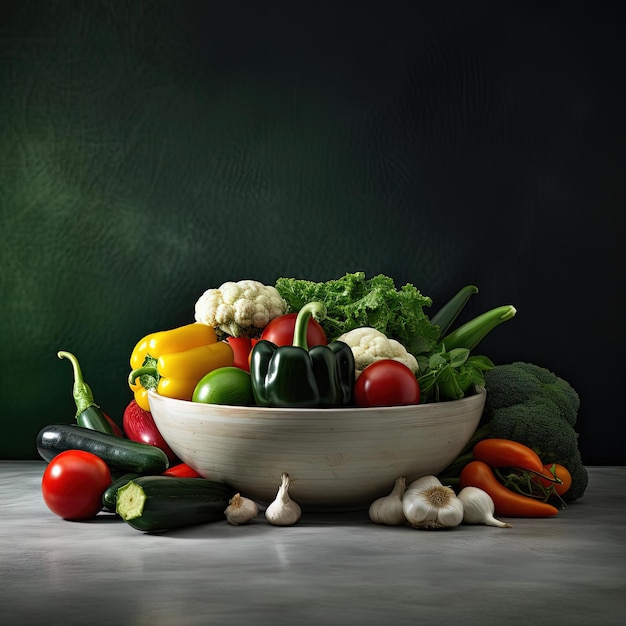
(560, 472)
(280, 331)
(386, 383)
(242, 346)
(73, 484)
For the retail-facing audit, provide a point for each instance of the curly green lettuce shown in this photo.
(354, 301)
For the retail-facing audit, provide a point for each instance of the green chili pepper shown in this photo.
(296, 376)
(88, 413)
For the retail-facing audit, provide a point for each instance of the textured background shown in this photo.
(151, 150)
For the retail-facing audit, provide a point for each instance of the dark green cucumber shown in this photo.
(119, 454)
(109, 497)
(159, 503)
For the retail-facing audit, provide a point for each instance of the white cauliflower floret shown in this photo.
(369, 345)
(240, 308)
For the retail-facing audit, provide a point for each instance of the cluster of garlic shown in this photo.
(427, 504)
(283, 511)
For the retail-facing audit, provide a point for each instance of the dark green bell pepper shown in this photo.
(299, 377)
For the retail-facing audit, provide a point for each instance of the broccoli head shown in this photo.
(531, 405)
(519, 382)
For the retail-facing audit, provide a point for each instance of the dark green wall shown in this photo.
(151, 150)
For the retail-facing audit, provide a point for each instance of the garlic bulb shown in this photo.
(428, 504)
(388, 509)
(283, 511)
(478, 508)
(240, 510)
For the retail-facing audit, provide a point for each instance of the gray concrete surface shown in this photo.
(327, 569)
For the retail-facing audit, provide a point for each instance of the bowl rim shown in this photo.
(254, 409)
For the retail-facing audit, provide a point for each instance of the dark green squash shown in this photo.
(118, 453)
(109, 497)
(160, 503)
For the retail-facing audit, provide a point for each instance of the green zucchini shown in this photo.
(470, 334)
(109, 497)
(118, 453)
(159, 503)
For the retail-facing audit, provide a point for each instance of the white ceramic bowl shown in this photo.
(337, 459)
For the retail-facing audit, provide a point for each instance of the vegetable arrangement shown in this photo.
(352, 341)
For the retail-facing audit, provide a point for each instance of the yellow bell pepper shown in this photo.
(173, 361)
(174, 340)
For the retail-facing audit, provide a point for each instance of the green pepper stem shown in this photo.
(150, 370)
(81, 391)
(318, 311)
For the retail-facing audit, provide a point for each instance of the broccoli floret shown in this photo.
(519, 382)
(531, 405)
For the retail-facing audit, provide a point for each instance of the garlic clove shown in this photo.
(479, 508)
(283, 511)
(452, 514)
(388, 509)
(240, 510)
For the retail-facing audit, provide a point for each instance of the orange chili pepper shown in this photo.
(507, 503)
(507, 453)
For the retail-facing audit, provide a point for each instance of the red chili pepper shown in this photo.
(507, 453)
(242, 346)
(507, 503)
(253, 342)
(182, 470)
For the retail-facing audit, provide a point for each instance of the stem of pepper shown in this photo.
(146, 370)
(521, 481)
(318, 310)
(83, 396)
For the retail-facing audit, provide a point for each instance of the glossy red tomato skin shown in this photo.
(386, 383)
(73, 483)
(562, 473)
(280, 331)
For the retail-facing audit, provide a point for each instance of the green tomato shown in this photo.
(225, 385)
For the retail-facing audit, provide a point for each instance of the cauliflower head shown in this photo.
(369, 345)
(239, 309)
